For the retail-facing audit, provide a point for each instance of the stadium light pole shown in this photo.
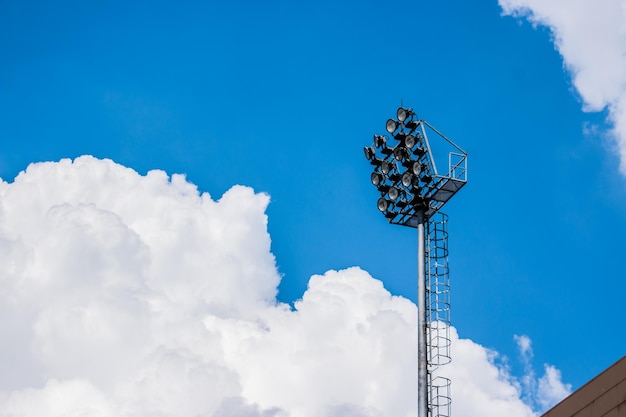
(411, 191)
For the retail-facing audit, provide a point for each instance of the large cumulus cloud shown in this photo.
(129, 295)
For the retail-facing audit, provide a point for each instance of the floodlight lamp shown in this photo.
(409, 141)
(385, 167)
(379, 141)
(376, 178)
(407, 179)
(416, 168)
(399, 153)
(369, 152)
(392, 126)
(394, 193)
(403, 114)
(383, 204)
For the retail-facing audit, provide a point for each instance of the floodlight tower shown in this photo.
(412, 191)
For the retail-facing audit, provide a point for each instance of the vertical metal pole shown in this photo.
(422, 377)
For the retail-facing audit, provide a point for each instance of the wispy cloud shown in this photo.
(551, 389)
(591, 38)
(544, 392)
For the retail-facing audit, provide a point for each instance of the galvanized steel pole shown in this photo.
(422, 364)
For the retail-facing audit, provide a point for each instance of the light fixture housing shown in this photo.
(400, 136)
(411, 125)
(386, 150)
(395, 177)
(419, 151)
(386, 166)
(383, 204)
(393, 193)
(391, 215)
(403, 114)
(399, 153)
(410, 141)
(377, 178)
(407, 179)
(391, 126)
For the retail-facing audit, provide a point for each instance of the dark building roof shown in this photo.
(603, 396)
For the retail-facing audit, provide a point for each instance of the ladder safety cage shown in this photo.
(438, 340)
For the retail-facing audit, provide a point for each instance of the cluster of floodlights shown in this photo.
(402, 171)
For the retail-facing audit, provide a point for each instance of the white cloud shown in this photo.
(550, 388)
(58, 399)
(479, 386)
(528, 380)
(544, 392)
(591, 37)
(126, 295)
(525, 347)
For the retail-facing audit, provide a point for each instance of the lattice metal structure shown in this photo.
(437, 313)
(412, 190)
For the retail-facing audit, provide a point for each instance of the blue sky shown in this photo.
(282, 97)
